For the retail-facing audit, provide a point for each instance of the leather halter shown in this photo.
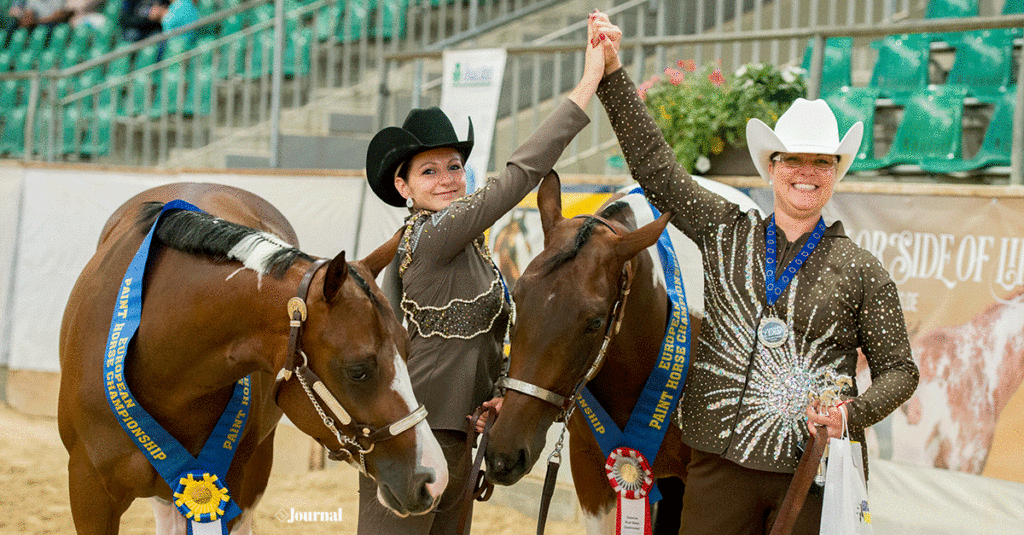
(315, 387)
(564, 403)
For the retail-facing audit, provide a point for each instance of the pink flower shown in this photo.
(644, 87)
(675, 77)
(716, 77)
(688, 65)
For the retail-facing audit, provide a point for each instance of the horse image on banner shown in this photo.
(230, 313)
(969, 372)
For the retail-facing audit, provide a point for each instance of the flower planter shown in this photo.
(733, 161)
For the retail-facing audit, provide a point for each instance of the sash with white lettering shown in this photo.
(198, 484)
(632, 452)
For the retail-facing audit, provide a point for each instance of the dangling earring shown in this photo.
(408, 202)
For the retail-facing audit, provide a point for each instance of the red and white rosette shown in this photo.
(630, 476)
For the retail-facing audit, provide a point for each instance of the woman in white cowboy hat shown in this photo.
(444, 281)
(789, 302)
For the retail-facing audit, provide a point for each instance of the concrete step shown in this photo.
(309, 152)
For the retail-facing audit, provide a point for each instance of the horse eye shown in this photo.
(359, 372)
(594, 325)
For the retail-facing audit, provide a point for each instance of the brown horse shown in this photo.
(577, 279)
(216, 309)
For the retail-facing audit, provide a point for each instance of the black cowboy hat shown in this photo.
(424, 129)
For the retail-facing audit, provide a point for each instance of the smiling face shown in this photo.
(434, 179)
(803, 183)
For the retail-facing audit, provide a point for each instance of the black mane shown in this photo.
(203, 234)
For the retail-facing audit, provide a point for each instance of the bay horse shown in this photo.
(216, 309)
(577, 278)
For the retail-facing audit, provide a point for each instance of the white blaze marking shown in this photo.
(428, 451)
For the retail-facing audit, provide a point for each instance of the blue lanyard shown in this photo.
(773, 287)
(651, 415)
(170, 459)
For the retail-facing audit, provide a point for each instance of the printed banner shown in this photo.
(473, 76)
(958, 263)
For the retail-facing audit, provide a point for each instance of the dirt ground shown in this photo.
(34, 491)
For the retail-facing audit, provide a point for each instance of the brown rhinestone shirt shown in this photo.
(456, 311)
(743, 400)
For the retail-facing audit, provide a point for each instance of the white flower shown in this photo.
(741, 71)
(702, 165)
(788, 77)
(747, 84)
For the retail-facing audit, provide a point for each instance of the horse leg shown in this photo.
(256, 475)
(93, 510)
(597, 501)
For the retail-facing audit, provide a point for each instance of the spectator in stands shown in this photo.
(86, 12)
(179, 13)
(444, 280)
(31, 13)
(764, 346)
(135, 21)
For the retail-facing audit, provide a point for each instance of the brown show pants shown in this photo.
(375, 519)
(724, 498)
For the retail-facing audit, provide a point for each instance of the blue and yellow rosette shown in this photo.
(200, 496)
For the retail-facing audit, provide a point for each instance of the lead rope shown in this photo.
(550, 477)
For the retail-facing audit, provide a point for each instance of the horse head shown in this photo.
(582, 277)
(349, 387)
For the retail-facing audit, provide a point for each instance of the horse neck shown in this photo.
(634, 350)
(227, 324)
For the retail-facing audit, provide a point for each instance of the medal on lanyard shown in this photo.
(772, 332)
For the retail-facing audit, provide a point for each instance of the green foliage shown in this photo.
(700, 117)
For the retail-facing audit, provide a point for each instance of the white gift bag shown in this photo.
(844, 509)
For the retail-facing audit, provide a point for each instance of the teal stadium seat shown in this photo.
(995, 146)
(12, 136)
(931, 129)
(852, 104)
(17, 41)
(901, 67)
(941, 9)
(59, 37)
(983, 63)
(835, 72)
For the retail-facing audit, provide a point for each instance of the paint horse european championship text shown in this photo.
(226, 296)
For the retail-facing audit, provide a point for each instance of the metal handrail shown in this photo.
(144, 43)
(861, 30)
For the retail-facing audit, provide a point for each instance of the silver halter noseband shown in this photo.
(315, 387)
(566, 404)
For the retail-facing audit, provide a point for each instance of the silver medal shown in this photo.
(772, 332)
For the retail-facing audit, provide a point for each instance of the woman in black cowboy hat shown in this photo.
(443, 279)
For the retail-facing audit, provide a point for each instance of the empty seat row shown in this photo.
(930, 132)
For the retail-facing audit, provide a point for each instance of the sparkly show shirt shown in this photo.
(742, 400)
(457, 315)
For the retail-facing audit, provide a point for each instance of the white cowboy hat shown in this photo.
(808, 126)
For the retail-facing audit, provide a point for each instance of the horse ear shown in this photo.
(383, 255)
(549, 202)
(337, 271)
(631, 244)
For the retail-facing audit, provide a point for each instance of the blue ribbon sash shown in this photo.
(773, 287)
(198, 483)
(650, 418)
